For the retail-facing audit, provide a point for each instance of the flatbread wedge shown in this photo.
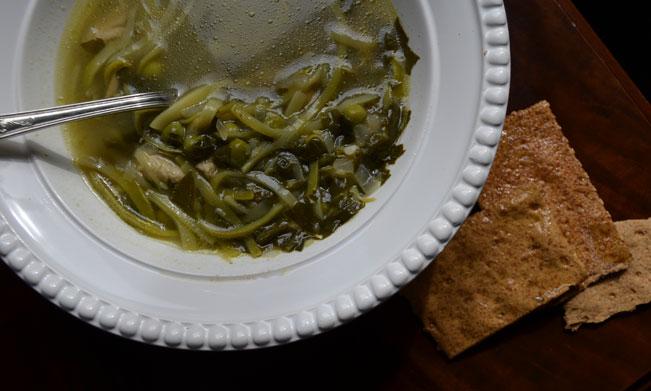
(622, 293)
(534, 150)
(503, 264)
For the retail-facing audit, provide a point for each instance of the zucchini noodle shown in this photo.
(265, 156)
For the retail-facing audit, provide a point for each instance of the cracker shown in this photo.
(622, 293)
(502, 264)
(534, 150)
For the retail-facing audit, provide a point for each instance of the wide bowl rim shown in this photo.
(348, 305)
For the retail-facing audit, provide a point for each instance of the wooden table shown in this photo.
(557, 57)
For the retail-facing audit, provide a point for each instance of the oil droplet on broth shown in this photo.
(294, 29)
(245, 41)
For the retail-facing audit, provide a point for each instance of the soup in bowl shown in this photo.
(270, 147)
(63, 237)
(243, 71)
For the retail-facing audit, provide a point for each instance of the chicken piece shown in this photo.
(107, 30)
(157, 168)
(207, 168)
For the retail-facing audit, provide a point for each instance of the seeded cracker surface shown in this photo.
(534, 150)
(622, 293)
(542, 231)
(502, 264)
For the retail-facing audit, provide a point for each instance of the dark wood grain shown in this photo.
(555, 57)
(607, 120)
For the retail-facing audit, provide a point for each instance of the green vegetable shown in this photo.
(361, 100)
(212, 198)
(174, 133)
(354, 40)
(255, 124)
(239, 151)
(354, 113)
(299, 100)
(241, 231)
(202, 120)
(312, 179)
(299, 126)
(199, 147)
(150, 227)
(151, 58)
(263, 162)
(178, 215)
(231, 130)
(243, 195)
(132, 188)
(411, 58)
(156, 142)
(288, 165)
(173, 113)
(274, 185)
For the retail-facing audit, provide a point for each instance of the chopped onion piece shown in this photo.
(344, 166)
(351, 150)
(366, 180)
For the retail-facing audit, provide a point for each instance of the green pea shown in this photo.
(199, 147)
(239, 151)
(152, 70)
(355, 113)
(174, 133)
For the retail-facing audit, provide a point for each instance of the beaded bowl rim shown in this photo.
(349, 304)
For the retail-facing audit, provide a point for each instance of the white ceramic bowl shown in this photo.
(66, 243)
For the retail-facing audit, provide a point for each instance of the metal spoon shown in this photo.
(20, 123)
(241, 49)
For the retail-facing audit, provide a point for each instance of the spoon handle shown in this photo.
(28, 121)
